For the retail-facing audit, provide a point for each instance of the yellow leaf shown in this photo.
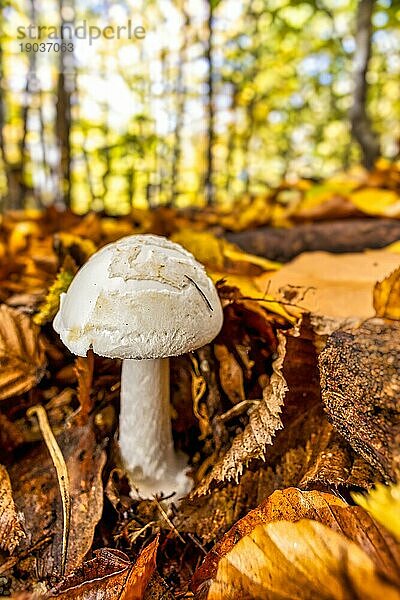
(375, 201)
(387, 296)
(395, 247)
(221, 256)
(20, 235)
(50, 305)
(383, 503)
(71, 241)
(300, 560)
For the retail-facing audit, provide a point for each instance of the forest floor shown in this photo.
(290, 418)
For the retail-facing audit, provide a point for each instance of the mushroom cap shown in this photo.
(140, 297)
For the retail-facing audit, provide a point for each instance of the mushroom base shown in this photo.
(173, 485)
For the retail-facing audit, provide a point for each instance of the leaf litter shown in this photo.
(247, 409)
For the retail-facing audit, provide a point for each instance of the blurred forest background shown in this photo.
(222, 99)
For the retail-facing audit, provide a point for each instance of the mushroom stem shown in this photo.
(145, 436)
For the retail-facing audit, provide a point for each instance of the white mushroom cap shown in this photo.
(140, 297)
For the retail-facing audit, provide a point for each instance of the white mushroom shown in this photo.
(142, 299)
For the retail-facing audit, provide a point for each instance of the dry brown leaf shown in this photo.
(230, 374)
(110, 576)
(264, 421)
(360, 383)
(22, 359)
(303, 560)
(387, 296)
(293, 505)
(84, 366)
(37, 496)
(11, 531)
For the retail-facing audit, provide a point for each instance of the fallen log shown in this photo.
(347, 235)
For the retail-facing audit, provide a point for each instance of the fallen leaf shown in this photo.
(22, 358)
(11, 531)
(84, 366)
(49, 307)
(373, 201)
(110, 576)
(387, 296)
(37, 496)
(302, 560)
(360, 383)
(157, 589)
(335, 289)
(383, 503)
(264, 421)
(293, 505)
(79, 247)
(230, 374)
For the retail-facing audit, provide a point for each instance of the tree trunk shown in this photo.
(180, 107)
(361, 127)
(65, 87)
(209, 175)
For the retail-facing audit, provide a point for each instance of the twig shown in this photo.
(168, 520)
(14, 560)
(62, 474)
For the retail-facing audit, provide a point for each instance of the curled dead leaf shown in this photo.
(22, 358)
(293, 505)
(110, 576)
(49, 307)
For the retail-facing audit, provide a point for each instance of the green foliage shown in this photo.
(282, 92)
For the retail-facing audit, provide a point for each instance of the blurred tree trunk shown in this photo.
(209, 174)
(65, 85)
(180, 106)
(361, 126)
(3, 151)
(17, 186)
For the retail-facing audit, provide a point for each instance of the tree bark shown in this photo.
(361, 127)
(350, 235)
